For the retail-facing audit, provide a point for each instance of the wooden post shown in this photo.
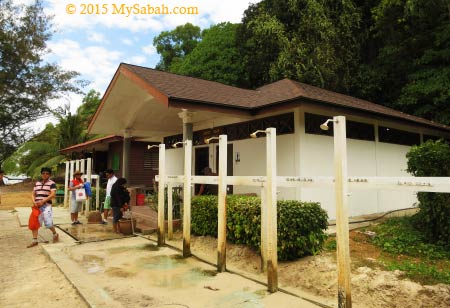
(222, 206)
(161, 193)
(263, 230)
(88, 179)
(342, 233)
(66, 185)
(271, 202)
(170, 210)
(187, 199)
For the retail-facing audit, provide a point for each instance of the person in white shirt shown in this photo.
(107, 204)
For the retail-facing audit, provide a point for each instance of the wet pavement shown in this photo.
(110, 270)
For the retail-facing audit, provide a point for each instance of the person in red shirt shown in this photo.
(75, 206)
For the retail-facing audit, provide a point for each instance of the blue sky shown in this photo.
(95, 44)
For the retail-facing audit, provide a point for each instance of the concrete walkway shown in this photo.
(134, 272)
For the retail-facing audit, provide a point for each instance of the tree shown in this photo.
(87, 109)
(307, 40)
(26, 81)
(215, 57)
(174, 45)
(409, 64)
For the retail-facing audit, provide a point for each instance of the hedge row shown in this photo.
(301, 225)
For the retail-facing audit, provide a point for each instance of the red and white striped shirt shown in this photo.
(43, 189)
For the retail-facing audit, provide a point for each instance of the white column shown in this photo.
(169, 211)
(342, 233)
(187, 198)
(271, 202)
(222, 206)
(161, 197)
(187, 117)
(66, 184)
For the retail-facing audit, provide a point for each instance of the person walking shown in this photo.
(107, 204)
(43, 193)
(75, 206)
(119, 201)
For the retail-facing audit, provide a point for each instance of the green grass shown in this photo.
(406, 249)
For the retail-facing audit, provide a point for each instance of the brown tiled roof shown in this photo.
(177, 87)
(80, 146)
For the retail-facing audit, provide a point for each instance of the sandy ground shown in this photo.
(33, 280)
(29, 278)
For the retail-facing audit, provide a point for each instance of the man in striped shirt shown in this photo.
(43, 193)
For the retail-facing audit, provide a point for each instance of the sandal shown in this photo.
(32, 244)
(55, 237)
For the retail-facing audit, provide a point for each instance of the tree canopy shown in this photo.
(391, 52)
(27, 83)
(174, 45)
(215, 57)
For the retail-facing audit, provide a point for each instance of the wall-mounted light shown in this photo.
(324, 126)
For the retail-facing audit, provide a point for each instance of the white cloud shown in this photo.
(138, 60)
(97, 37)
(149, 50)
(127, 41)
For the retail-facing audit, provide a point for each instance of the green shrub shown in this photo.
(176, 202)
(432, 158)
(300, 224)
(93, 205)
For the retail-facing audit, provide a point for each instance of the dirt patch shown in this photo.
(315, 277)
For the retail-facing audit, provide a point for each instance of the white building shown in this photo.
(143, 104)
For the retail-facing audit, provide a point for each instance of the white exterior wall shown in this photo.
(302, 154)
(253, 162)
(175, 161)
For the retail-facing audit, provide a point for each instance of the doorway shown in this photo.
(201, 161)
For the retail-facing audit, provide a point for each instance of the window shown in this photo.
(396, 136)
(115, 165)
(283, 123)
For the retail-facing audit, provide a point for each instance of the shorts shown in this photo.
(46, 216)
(117, 214)
(75, 206)
(107, 203)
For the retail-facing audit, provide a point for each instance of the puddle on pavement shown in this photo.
(144, 247)
(161, 262)
(119, 272)
(93, 264)
(241, 299)
(91, 232)
(173, 272)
